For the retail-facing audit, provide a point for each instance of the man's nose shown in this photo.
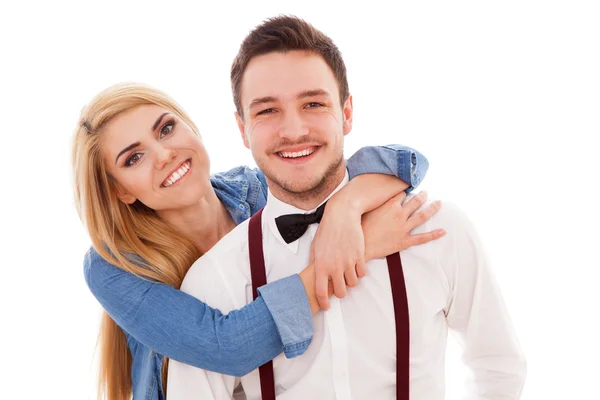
(293, 126)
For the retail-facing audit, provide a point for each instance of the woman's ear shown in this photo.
(124, 196)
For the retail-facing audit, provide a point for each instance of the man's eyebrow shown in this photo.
(301, 95)
(262, 100)
(126, 149)
(158, 121)
(313, 92)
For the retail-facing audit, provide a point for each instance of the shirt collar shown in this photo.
(276, 208)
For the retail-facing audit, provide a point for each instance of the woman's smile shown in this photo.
(177, 176)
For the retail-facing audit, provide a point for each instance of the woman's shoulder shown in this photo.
(93, 261)
(242, 189)
(240, 173)
(103, 277)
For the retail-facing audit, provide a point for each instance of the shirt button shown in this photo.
(241, 206)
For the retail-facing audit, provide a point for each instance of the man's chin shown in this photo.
(300, 186)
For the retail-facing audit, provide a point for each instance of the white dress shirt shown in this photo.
(353, 353)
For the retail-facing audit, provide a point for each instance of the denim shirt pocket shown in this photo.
(233, 196)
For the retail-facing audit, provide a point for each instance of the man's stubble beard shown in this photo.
(314, 192)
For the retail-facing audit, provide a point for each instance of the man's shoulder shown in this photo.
(450, 217)
(228, 259)
(450, 213)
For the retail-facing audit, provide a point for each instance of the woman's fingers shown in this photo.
(419, 218)
(322, 288)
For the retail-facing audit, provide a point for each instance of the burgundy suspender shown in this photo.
(402, 325)
(258, 272)
(259, 278)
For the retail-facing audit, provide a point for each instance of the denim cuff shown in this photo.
(287, 301)
(401, 161)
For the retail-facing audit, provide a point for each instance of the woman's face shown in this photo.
(156, 158)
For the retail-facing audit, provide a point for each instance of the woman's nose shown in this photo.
(164, 155)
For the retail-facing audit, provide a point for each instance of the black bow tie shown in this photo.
(292, 226)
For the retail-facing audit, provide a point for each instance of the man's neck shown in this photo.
(205, 223)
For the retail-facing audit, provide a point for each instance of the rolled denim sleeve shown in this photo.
(401, 161)
(295, 328)
(183, 328)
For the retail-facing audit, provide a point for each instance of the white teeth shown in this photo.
(297, 154)
(175, 176)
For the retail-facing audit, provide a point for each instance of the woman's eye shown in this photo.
(167, 128)
(135, 157)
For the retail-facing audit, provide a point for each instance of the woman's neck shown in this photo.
(204, 223)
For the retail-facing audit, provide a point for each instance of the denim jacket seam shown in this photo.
(252, 195)
(237, 201)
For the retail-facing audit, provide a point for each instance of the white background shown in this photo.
(502, 97)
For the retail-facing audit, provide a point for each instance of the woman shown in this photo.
(146, 232)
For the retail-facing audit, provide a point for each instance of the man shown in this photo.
(293, 110)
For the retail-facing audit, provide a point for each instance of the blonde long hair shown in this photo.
(118, 230)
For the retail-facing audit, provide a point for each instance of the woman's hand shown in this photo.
(339, 249)
(387, 228)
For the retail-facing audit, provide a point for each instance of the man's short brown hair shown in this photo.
(282, 34)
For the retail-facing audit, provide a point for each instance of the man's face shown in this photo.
(293, 121)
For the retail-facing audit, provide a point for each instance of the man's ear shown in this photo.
(124, 196)
(240, 123)
(348, 112)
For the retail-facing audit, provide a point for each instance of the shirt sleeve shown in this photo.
(477, 316)
(183, 328)
(403, 162)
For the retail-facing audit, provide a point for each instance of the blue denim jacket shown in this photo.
(159, 320)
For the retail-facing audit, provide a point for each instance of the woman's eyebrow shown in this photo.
(136, 144)
(158, 121)
(126, 149)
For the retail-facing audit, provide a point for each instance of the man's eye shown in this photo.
(167, 128)
(314, 104)
(135, 157)
(267, 111)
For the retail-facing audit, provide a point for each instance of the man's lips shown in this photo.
(298, 154)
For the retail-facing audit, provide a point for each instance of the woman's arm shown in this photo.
(181, 327)
(403, 162)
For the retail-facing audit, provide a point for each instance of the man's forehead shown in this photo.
(285, 75)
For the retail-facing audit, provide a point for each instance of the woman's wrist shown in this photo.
(308, 278)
